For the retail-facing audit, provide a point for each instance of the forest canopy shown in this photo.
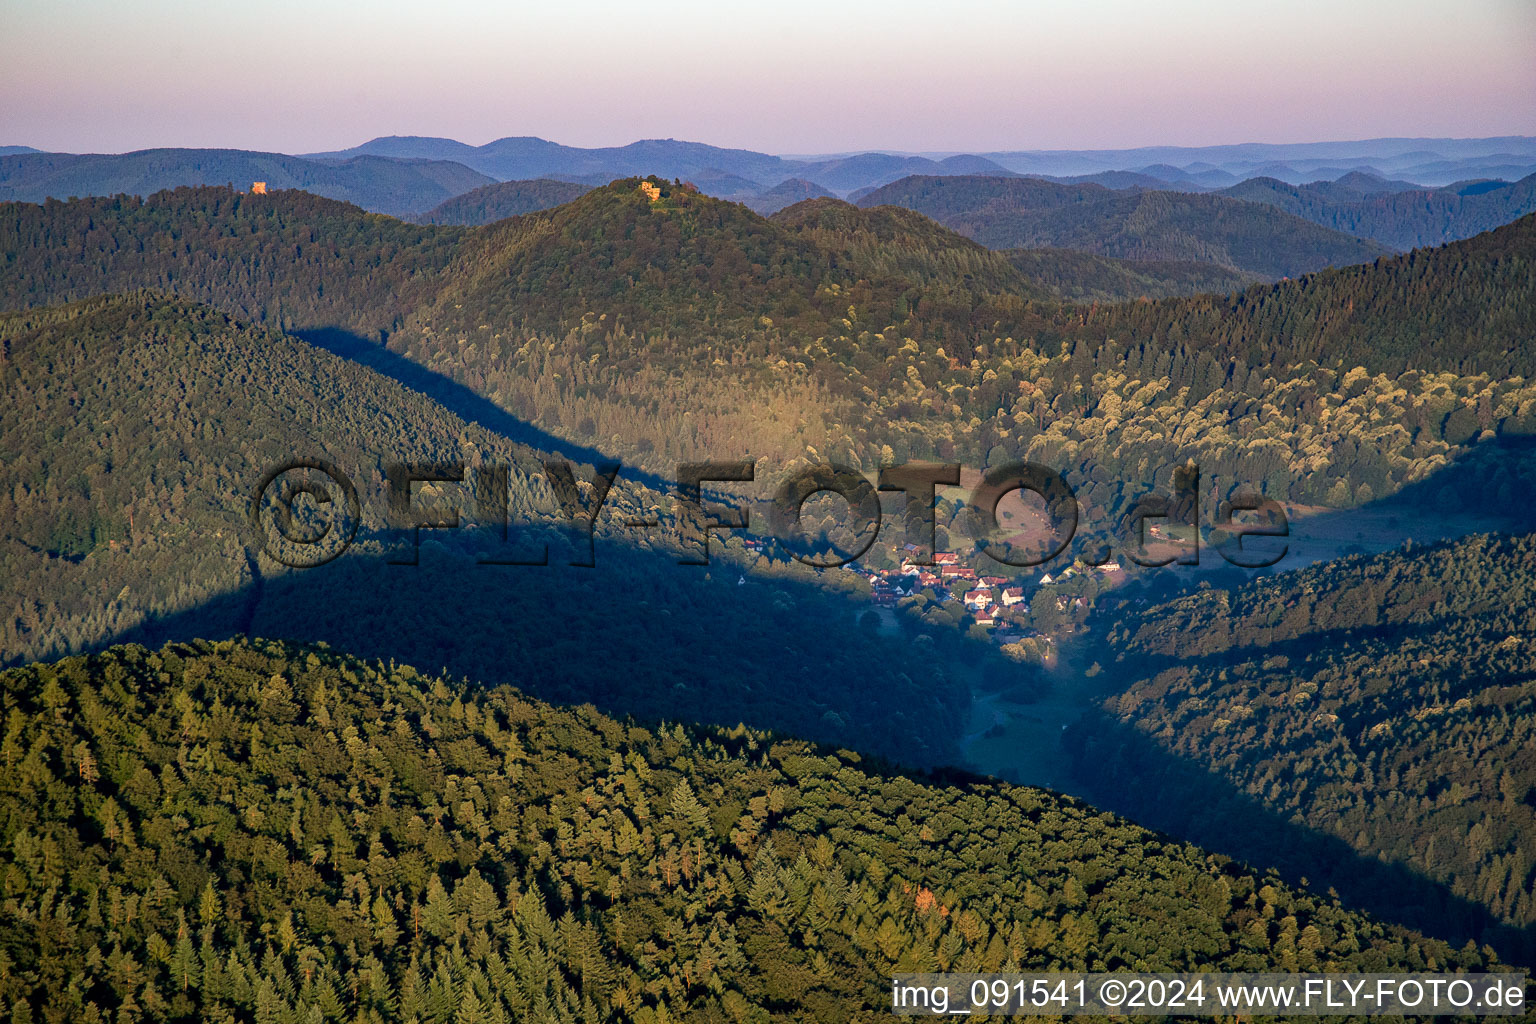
(259, 830)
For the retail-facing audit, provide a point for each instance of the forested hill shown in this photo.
(1469, 306)
(298, 261)
(138, 429)
(1389, 702)
(898, 245)
(687, 263)
(250, 830)
(301, 261)
(690, 327)
(288, 259)
(785, 193)
(1013, 213)
(490, 203)
(650, 266)
(893, 241)
(706, 330)
(1397, 217)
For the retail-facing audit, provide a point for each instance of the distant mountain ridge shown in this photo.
(408, 176)
(1431, 162)
(1403, 218)
(785, 193)
(1023, 213)
(1426, 161)
(527, 157)
(397, 187)
(1143, 179)
(1396, 213)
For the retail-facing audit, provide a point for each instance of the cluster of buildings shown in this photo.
(994, 602)
(991, 600)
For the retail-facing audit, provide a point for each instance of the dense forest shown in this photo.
(1014, 213)
(914, 356)
(234, 829)
(689, 327)
(139, 428)
(504, 199)
(785, 193)
(1083, 277)
(290, 259)
(1398, 218)
(1469, 306)
(1389, 702)
(249, 830)
(894, 241)
(892, 244)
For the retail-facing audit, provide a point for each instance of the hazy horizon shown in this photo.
(832, 153)
(979, 76)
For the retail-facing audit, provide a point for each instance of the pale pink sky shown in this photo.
(790, 76)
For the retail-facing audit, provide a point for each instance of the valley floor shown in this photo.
(1022, 742)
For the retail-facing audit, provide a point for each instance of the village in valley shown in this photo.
(1027, 613)
(1002, 604)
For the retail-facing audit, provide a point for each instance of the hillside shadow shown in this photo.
(463, 402)
(639, 635)
(1473, 481)
(1120, 769)
(636, 634)
(1489, 487)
